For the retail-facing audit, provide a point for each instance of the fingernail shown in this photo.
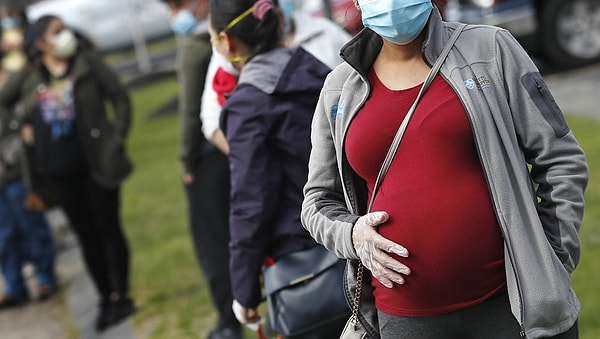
(402, 253)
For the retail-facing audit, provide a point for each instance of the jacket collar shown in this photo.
(78, 67)
(284, 70)
(361, 51)
(264, 70)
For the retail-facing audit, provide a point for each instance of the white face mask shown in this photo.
(224, 63)
(65, 44)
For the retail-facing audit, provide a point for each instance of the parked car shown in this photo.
(110, 24)
(565, 32)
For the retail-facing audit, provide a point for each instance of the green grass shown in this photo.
(586, 279)
(166, 280)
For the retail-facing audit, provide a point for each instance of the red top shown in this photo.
(436, 195)
(223, 83)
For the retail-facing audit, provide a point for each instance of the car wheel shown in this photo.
(570, 31)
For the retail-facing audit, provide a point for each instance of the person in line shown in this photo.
(205, 168)
(317, 35)
(266, 122)
(14, 28)
(474, 230)
(79, 152)
(25, 236)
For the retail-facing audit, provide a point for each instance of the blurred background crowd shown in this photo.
(558, 34)
(564, 32)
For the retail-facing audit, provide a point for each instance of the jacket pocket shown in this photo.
(116, 164)
(546, 290)
(544, 101)
(113, 163)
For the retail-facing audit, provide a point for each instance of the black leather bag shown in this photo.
(304, 291)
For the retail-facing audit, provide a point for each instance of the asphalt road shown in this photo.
(577, 91)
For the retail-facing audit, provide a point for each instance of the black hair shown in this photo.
(40, 26)
(36, 31)
(259, 35)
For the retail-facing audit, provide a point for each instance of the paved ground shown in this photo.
(576, 92)
(71, 314)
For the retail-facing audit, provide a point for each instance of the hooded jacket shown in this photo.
(267, 122)
(102, 138)
(535, 170)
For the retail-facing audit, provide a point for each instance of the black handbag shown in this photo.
(304, 291)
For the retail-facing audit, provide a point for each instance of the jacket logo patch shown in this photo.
(481, 83)
(469, 83)
(337, 109)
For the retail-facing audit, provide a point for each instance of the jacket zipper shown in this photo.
(344, 167)
(350, 187)
(522, 333)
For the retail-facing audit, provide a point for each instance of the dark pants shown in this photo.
(24, 236)
(94, 214)
(208, 210)
(327, 331)
(491, 319)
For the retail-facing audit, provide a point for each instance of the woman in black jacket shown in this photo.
(78, 152)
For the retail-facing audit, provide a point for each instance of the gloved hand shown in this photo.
(373, 249)
(246, 316)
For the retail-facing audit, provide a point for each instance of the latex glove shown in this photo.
(373, 249)
(247, 316)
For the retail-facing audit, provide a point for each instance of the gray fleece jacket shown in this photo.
(536, 171)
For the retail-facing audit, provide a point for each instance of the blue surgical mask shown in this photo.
(10, 22)
(287, 9)
(184, 22)
(398, 21)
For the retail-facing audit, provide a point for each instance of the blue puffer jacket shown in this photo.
(267, 122)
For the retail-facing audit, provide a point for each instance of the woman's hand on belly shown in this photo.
(373, 249)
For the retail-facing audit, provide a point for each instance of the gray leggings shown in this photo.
(491, 319)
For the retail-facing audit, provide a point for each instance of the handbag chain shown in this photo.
(392, 152)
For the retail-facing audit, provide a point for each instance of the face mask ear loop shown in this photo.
(259, 9)
(238, 58)
(237, 19)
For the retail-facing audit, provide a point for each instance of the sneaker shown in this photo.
(7, 301)
(44, 292)
(102, 315)
(114, 312)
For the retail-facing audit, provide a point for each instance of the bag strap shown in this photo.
(392, 152)
(400, 133)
